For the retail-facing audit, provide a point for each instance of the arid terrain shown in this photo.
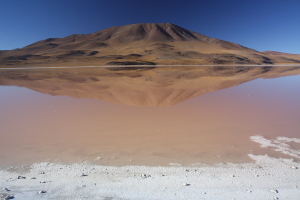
(140, 44)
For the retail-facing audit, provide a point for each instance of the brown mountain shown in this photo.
(152, 43)
(283, 57)
(139, 86)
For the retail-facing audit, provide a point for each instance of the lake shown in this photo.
(149, 115)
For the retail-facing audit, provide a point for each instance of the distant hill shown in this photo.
(279, 53)
(139, 44)
(283, 57)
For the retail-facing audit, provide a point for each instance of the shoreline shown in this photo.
(71, 67)
(267, 178)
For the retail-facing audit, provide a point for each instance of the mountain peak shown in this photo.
(163, 32)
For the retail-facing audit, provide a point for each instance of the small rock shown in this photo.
(294, 167)
(42, 172)
(187, 170)
(33, 178)
(42, 181)
(42, 191)
(145, 176)
(6, 189)
(21, 177)
(249, 191)
(231, 176)
(83, 174)
(275, 191)
(8, 197)
(256, 175)
(186, 184)
(83, 185)
(203, 192)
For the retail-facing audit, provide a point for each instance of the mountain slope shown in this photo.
(148, 43)
(283, 57)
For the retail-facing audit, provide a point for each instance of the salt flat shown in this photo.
(267, 178)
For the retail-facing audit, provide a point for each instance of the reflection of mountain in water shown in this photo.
(139, 86)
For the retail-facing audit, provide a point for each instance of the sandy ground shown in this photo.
(267, 178)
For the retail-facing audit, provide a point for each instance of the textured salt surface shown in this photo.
(267, 178)
(279, 144)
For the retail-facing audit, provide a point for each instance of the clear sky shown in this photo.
(258, 24)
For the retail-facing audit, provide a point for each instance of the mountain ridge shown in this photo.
(143, 43)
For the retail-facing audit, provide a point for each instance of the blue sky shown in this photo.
(258, 24)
